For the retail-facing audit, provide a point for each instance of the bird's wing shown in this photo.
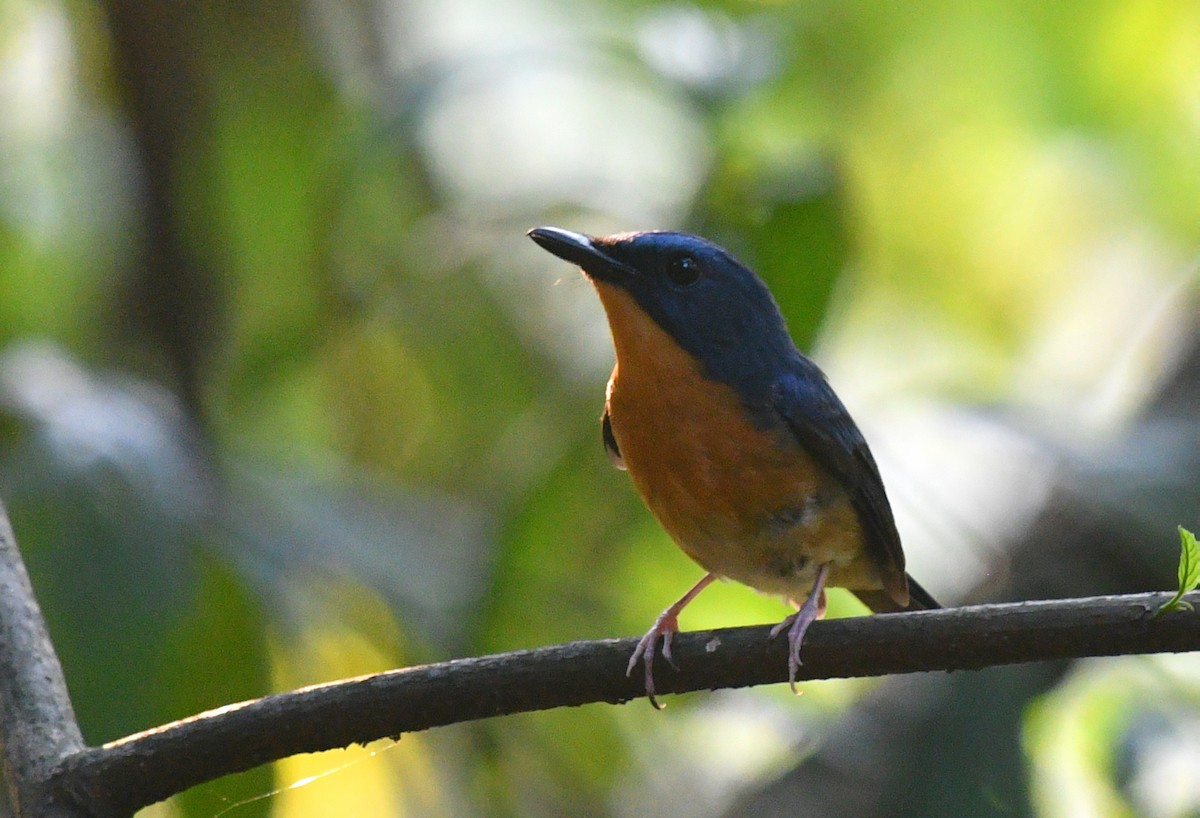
(815, 415)
(610, 441)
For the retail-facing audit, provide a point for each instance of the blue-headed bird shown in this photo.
(734, 439)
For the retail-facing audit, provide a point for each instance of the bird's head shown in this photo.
(712, 305)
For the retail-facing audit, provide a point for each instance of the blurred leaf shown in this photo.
(1070, 737)
(113, 512)
(1118, 738)
(339, 629)
(561, 762)
(217, 655)
(788, 227)
(428, 555)
(569, 532)
(109, 512)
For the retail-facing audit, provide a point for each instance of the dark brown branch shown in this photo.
(120, 777)
(37, 724)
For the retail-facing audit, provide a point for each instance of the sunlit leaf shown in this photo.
(1189, 573)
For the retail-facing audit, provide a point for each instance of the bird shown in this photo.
(734, 439)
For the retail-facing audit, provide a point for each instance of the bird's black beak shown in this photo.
(583, 251)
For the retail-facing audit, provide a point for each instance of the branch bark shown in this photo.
(122, 776)
(37, 724)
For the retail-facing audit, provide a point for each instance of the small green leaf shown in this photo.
(1189, 561)
(1189, 572)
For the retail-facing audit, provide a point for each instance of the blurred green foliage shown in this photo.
(393, 453)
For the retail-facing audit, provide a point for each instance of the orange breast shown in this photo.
(744, 502)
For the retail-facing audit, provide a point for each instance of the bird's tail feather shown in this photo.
(880, 602)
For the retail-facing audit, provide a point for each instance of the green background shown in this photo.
(286, 395)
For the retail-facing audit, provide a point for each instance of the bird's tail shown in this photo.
(880, 602)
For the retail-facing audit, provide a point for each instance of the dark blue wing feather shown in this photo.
(820, 422)
(610, 441)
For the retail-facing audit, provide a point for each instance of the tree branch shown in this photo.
(125, 775)
(37, 724)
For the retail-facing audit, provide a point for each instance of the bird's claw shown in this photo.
(797, 624)
(665, 628)
(666, 648)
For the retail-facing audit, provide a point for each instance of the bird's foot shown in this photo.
(665, 627)
(797, 624)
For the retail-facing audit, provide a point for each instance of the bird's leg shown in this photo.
(666, 626)
(797, 624)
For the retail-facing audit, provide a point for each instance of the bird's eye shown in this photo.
(683, 270)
